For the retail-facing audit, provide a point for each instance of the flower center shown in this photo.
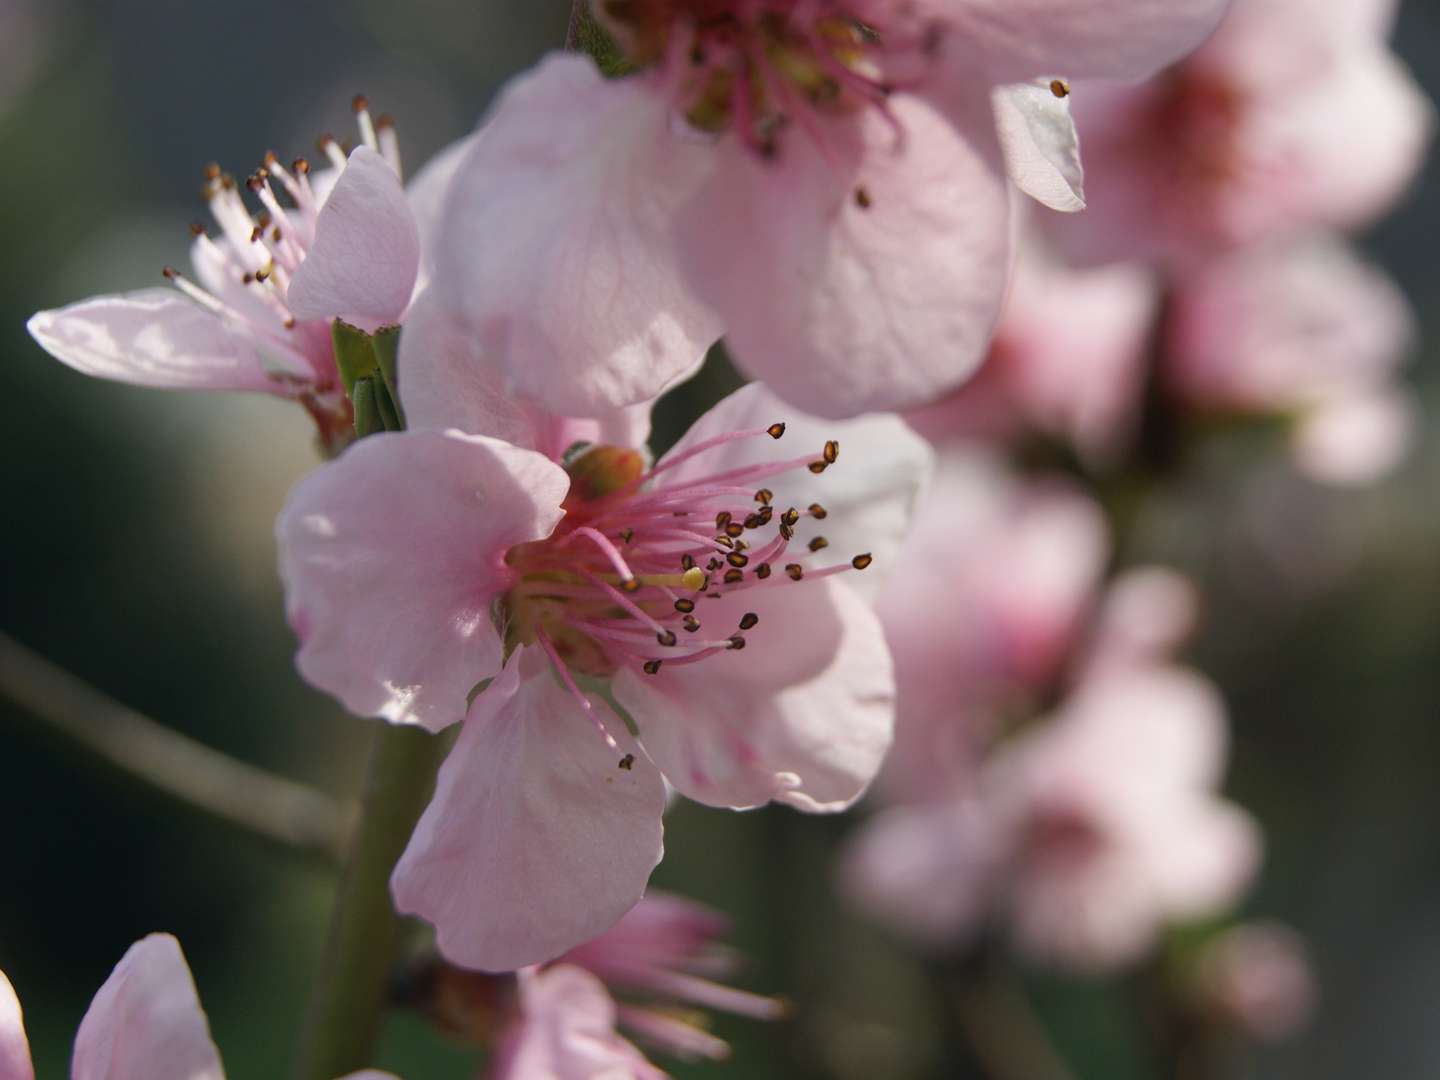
(755, 65)
(623, 580)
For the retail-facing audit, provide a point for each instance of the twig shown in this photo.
(281, 810)
(577, 19)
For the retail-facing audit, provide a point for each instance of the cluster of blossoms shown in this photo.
(830, 185)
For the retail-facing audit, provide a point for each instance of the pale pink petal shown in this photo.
(445, 382)
(1147, 614)
(426, 192)
(802, 715)
(553, 258)
(566, 1031)
(1357, 440)
(391, 558)
(1123, 39)
(1042, 148)
(1259, 976)
(154, 337)
(146, 1021)
(363, 263)
(869, 493)
(863, 273)
(370, 1074)
(14, 1048)
(538, 838)
(1202, 860)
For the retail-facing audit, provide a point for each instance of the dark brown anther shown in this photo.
(383, 121)
(667, 638)
(275, 234)
(786, 532)
(247, 278)
(818, 543)
(734, 530)
(359, 103)
(763, 496)
(263, 218)
(713, 564)
(722, 519)
(832, 452)
(691, 624)
(766, 513)
(212, 171)
(775, 430)
(300, 166)
(736, 641)
(271, 159)
(795, 570)
(289, 322)
(257, 232)
(740, 545)
(169, 273)
(862, 198)
(687, 561)
(860, 562)
(817, 467)
(790, 517)
(627, 762)
(818, 512)
(324, 141)
(684, 606)
(262, 275)
(736, 559)
(748, 620)
(196, 229)
(724, 541)
(733, 577)
(752, 521)
(630, 585)
(651, 667)
(1060, 88)
(762, 571)
(627, 535)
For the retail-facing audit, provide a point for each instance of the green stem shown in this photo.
(348, 998)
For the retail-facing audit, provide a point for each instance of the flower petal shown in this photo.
(14, 1048)
(146, 1021)
(153, 337)
(863, 274)
(1120, 39)
(391, 557)
(1042, 148)
(802, 716)
(363, 263)
(553, 257)
(535, 840)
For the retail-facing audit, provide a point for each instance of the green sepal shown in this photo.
(367, 408)
(354, 354)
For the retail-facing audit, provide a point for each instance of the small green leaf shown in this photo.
(354, 354)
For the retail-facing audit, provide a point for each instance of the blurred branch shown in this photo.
(281, 810)
(577, 19)
(1001, 1027)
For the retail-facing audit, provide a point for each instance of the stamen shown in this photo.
(563, 671)
(367, 126)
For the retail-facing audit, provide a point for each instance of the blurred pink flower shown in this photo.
(1068, 361)
(1293, 115)
(1258, 977)
(145, 1023)
(259, 316)
(1302, 329)
(823, 181)
(589, 578)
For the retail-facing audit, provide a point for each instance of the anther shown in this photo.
(627, 535)
(196, 229)
(762, 571)
(862, 198)
(212, 171)
(818, 543)
(795, 570)
(736, 641)
(691, 624)
(818, 512)
(359, 103)
(733, 577)
(860, 562)
(1060, 88)
(832, 452)
(736, 559)
(301, 166)
(734, 530)
(687, 562)
(775, 430)
(630, 585)
(763, 496)
(748, 620)
(753, 521)
(667, 638)
(651, 667)
(170, 273)
(790, 517)
(787, 532)
(817, 467)
(684, 606)
(724, 541)
(722, 519)
(627, 762)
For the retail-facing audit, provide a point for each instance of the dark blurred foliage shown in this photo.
(137, 553)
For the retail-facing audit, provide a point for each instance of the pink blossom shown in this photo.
(617, 623)
(145, 1023)
(1302, 329)
(826, 182)
(1068, 361)
(1294, 115)
(257, 317)
(1258, 977)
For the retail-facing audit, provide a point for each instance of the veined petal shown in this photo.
(14, 1047)
(862, 274)
(146, 1022)
(153, 337)
(537, 838)
(802, 716)
(1042, 148)
(554, 259)
(363, 263)
(391, 558)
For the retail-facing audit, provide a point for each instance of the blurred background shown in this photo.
(138, 554)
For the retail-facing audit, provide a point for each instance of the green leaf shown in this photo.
(354, 354)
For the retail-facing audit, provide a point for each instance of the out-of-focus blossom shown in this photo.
(25, 32)
(1295, 114)
(145, 1023)
(599, 613)
(1303, 330)
(257, 317)
(1068, 361)
(1257, 976)
(825, 182)
(1019, 564)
